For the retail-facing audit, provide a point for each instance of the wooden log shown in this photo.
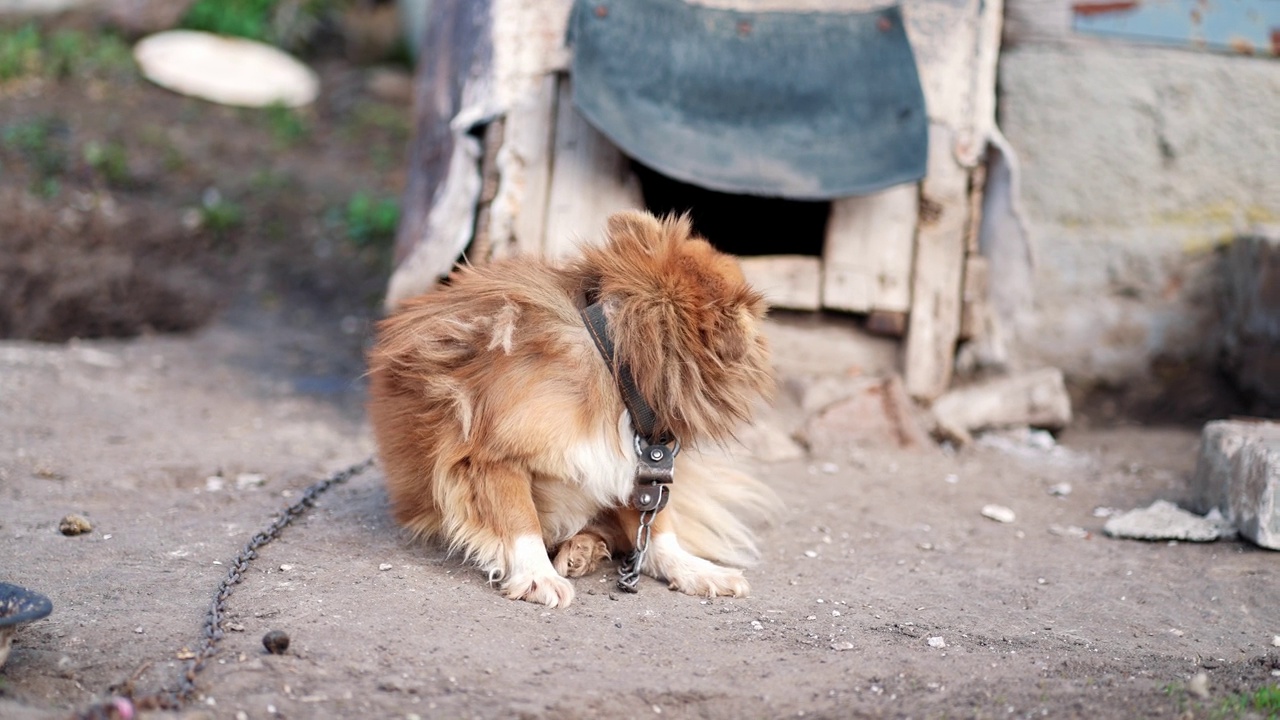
(938, 270)
(590, 180)
(1038, 399)
(787, 281)
(867, 252)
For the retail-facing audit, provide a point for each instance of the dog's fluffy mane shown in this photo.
(682, 318)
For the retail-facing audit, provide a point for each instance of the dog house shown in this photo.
(839, 147)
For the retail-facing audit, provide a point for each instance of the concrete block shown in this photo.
(1254, 498)
(1238, 472)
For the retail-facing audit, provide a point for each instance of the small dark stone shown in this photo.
(276, 642)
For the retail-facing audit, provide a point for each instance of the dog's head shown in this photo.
(685, 320)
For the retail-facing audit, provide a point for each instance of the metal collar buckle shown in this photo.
(654, 471)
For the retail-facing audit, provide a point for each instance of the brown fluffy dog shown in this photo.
(502, 431)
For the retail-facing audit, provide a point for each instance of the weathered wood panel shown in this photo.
(868, 249)
(443, 186)
(590, 180)
(939, 270)
(787, 281)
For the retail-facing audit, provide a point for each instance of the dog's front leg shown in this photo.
(665, 559)
(500, 528)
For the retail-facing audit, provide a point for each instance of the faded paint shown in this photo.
(1247, 27)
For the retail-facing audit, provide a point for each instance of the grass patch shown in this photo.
(19, 52)
(29, 52)
(241, 18)
(42, 144)
(371, 221)
(287, 23)
(1263, 702)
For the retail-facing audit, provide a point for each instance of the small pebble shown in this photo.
(1199, 685)
(276, 642)
(937, 642)
(384, 566)
(999, 513)
(830, 468)
(286, 568)
(75, 525)
(138, 630)
(811, 553)
(1061, 489)
(1275, 640)
(842, 646)
(755, 625)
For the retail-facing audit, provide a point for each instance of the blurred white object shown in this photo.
(229, 71)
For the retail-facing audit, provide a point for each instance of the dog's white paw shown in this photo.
(581, 555)
(691, 574)
(546, 588)
(531, 576)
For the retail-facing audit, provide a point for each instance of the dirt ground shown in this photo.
(878, 553)
(883, 591)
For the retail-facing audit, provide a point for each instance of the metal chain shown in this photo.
(629, 572)
(211, 631)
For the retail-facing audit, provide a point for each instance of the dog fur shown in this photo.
(502, 432)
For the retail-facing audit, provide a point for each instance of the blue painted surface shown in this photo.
(1223, 25)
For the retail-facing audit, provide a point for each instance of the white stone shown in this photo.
(999, 513)
(229, 71)
(937, 642)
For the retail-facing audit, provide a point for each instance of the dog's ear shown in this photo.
(636, 230)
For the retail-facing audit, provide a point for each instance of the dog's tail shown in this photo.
(717, 509)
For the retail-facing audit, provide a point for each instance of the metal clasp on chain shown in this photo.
(654, 473)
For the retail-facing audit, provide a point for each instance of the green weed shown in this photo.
(108, 160)
(287, 125)
(218, 214)
(19, 52)
(370, 221)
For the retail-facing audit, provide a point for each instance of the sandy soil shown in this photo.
(879, 552)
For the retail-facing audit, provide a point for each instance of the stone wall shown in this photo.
(1139, 163)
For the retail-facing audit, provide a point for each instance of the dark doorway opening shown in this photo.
(739, 224)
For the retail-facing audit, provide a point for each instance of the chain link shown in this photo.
(211, 631)
(629, 572)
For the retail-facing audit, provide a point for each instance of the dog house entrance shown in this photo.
(744, 225)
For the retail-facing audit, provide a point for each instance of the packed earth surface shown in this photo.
(187, 294)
